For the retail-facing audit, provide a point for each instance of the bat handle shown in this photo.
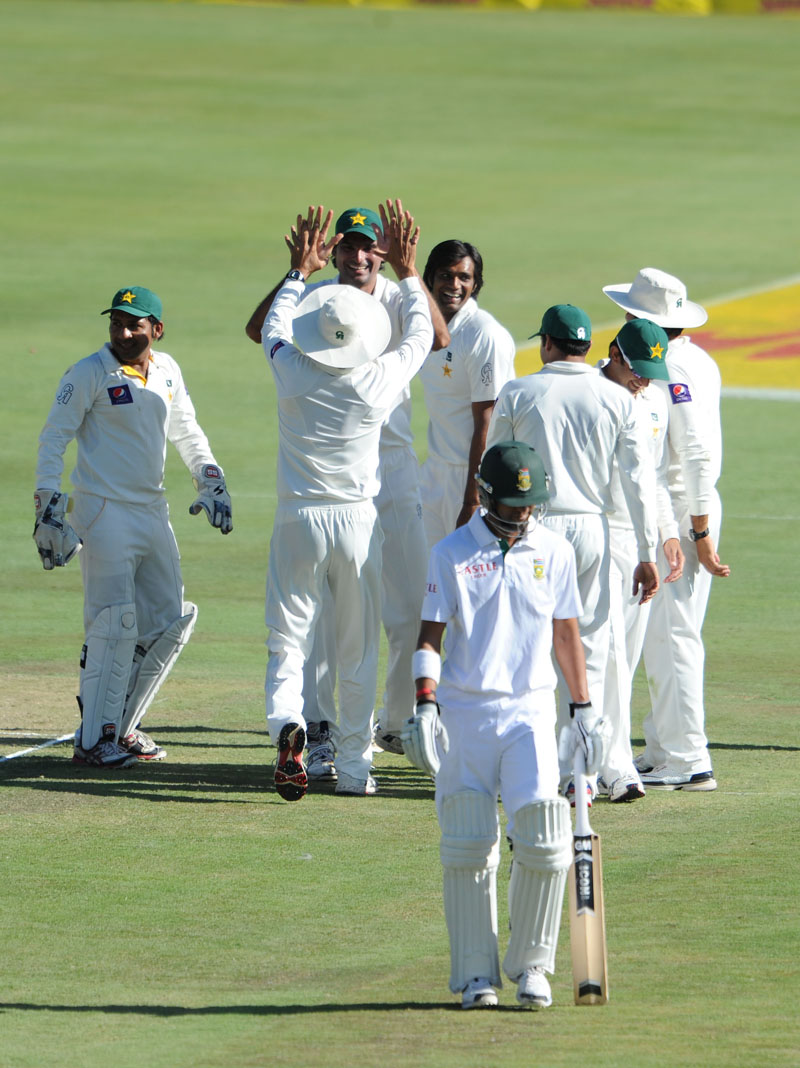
(582, 826)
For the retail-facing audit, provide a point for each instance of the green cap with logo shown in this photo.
(513, 474)
(565, 322)
(359, 221)
(136, 300)
(644, 346)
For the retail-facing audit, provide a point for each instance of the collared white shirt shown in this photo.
(122, 423)
(330, 422)
(474, 367)
(498, 612)
(579, 422)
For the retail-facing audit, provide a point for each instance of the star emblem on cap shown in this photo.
(358, 219)
(657, 352)
(128, 297)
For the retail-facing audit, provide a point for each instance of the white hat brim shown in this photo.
(374, 334)
(691, 314)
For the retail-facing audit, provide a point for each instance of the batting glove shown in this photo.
(424, 736)
(588, 731)
(213, 498)
(55, 539)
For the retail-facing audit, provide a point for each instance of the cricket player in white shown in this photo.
(636, 355)
(461, 383)
(579, 423)
(504, 590)
(122, 404)
(676, 753)
(334, 394)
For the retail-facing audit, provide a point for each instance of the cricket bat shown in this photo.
(587, 922)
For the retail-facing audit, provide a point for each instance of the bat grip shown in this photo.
(582, 826)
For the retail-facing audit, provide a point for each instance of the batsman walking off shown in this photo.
(504, 589)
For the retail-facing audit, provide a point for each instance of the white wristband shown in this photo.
(425, 664)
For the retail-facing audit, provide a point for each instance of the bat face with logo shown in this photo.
(587, 929)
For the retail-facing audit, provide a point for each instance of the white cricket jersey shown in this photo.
(695, 431)
(498, 612)
(122, 423)
(579, 422)
(474, 367)
(397, 427)
(652, 417)
(330, 422)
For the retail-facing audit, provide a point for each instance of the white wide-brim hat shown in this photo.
(659, 297)
(341, 327)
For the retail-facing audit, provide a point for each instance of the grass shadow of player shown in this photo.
(330, 1008)
(744, 747)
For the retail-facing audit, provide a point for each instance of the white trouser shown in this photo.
(442, 487)
(588, 535)
(338, 546)
(129, 556)
(405, 560)
(674, 731)
(627, 625)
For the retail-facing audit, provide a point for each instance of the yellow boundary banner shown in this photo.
(657, 7)
(753, 337)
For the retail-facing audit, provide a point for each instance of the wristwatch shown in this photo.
(698, 535)
(295, 276)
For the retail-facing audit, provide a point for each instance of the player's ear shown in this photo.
(158, 330)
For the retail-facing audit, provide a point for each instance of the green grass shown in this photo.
(181, 915)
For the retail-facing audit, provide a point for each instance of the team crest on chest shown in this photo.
(538, 568)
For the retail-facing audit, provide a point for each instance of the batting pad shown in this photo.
(542, 856)
(151, 667)
(470, 854)
(107, 659)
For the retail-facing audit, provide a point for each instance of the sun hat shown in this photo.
(341, 327)
(659, 297)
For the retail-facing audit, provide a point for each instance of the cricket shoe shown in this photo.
(290, 777)
(388, 741)
(533, 989)
(569, 793)
(355, 787)
(142, 746)
(320, 766)
(643, 763)
(625, 788)
(478, 994)
(661, 778)
(106, 754)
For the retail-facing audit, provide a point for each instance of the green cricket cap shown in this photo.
(359, 221)
(136, 300)
(644, 346)
(513, 474)
(565, 322)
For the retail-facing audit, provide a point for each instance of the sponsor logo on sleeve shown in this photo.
(64, 395)
(275, 347)
(487, 374)
(120, 394)
(679, 392)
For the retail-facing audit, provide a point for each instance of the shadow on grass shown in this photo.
(736, 746)
(249, 1010)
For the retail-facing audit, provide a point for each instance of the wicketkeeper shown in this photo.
(504, 589)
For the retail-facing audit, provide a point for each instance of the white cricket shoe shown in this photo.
(643, 763)
(625, 788)
(388, 741)
(661, 778)
(478, 994)
(533, 989)
(349, 784)
(320, 765)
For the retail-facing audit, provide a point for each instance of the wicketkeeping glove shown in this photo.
(423, 736)
(213, 498)
(588, 730)
(55, 539)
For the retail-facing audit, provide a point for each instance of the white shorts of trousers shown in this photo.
(129, 556)
(442, 486)
(627, 624)
(403, 570)
(674, 658)
(511, 754)
(338, 546)
(588, 535)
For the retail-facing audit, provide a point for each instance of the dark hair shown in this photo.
(673, 332)
(445, 254)
(570, 347)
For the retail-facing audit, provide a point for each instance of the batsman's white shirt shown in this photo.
(499, 612)
(122, 422)
(579, 423)
(474, 367)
